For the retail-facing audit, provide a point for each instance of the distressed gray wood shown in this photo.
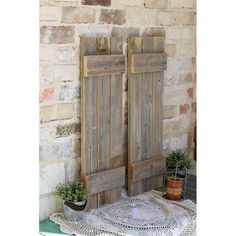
(148, 168)
(103, 117)
(157, 90)
(104, 65)
(105, 180)
(134, 115)
(101, 110)
(116, 150)
(89, 128)
(145, 112)
(148, 62)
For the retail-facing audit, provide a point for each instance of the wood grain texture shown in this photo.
(104, 65)
(105, 180)
(145, 113)
(148, 168)
(157, 90)
(146, 97)
(89, 128)
(116, 102)
(148, 62)
(134, 115)
(103, 116)
(100, 118)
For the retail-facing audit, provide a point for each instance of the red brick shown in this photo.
(47, 94)
(97, 2)
(190, 92)
(183, 108)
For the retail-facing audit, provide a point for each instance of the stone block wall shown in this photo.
(62, 22)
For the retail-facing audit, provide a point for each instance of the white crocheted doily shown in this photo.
(145, 215)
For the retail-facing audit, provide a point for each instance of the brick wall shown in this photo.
(62, 22)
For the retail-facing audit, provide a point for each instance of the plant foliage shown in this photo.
(72, 192)
(178, 157)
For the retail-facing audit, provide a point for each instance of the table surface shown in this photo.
(47, 227)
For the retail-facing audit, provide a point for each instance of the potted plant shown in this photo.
(177, 165)
(178, 162)
(74, 199)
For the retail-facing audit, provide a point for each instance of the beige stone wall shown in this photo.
(62, 22)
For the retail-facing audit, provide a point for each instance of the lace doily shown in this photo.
(131, 212)
(144, 215)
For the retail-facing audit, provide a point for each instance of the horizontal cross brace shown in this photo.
(148, 168)
(148, 62)
(105, 180)
(99, 65)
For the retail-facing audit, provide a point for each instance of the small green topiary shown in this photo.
(178, 157)
(72, 192)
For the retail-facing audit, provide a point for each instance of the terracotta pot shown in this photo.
(174, 188)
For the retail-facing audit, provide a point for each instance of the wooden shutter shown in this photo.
(146, 65)
(102, 167)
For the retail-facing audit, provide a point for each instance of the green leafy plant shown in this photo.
(178, 157)
(72, 192)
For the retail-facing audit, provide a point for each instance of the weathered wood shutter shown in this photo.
(102, 165)
(146, 65)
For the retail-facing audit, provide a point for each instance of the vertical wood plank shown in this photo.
(146, 96)
(103, 117)
(158, 80)
(90, 127)
(116, 154)
(135, 139)
(83, 116)
(157, 141)
(89, 141)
